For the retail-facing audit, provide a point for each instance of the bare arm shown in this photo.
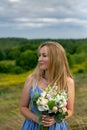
(25, 100)
(71, 96)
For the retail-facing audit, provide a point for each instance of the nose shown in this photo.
(40, 58)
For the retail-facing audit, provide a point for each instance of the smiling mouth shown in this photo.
(41, 63)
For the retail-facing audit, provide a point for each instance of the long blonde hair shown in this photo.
(58, 66)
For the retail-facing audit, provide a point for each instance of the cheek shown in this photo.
(47, 63)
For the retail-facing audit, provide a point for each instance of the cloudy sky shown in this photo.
(43, 18)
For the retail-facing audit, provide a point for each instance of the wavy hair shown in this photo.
(58, 65)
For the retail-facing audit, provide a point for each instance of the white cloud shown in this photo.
(21, 19)
(43, 14)
(32, 25)
(52, 20)
(14, 0)
(1, 8)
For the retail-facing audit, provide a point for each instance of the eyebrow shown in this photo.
(43, 53)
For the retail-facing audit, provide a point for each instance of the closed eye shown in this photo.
(43, 55)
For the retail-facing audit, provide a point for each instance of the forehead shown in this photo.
(44, 49)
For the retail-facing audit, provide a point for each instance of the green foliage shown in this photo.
(8, 67)
(2, 55)
(80, 68)
(82, 46)
(17, 70)
(23, 51)
(8, 43)
(12, 53)
(71, 60)
(28, 47)
(80, 58)
(27, 60)
(34, 99)
(51, 104)
(60, 116)
(43, 127)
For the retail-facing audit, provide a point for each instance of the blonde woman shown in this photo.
(52, 67)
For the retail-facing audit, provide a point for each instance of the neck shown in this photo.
(46, 75)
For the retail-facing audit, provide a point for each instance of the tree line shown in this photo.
(18, 55)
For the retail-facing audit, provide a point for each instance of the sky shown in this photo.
(43, 19)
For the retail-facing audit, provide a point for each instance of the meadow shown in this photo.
(10, 92)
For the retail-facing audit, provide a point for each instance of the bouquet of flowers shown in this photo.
(51, 102)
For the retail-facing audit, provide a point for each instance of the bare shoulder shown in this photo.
(70, 83)
(70, 80)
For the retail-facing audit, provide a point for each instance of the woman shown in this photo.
(52, 67)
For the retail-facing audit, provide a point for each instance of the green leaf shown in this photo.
(43, 127)
(59, 116)
(35, 98)
(51, 104)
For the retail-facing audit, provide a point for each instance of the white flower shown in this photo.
(40, 108)
(43, 94)
(64, 103)
(51, 94)
(42, 101)
(48, 96)
(58, 98)
(60, 104)
(43, 108)
(46, 107)
(64, 109)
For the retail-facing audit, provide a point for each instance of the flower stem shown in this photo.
(43, 127)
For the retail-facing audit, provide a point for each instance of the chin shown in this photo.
(42, 68)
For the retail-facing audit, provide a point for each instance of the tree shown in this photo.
(2, 56)
(27, 60)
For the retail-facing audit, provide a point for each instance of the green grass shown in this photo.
(10, 118)
(10, 93)
(79, 119)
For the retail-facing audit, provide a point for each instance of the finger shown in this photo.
(47, 119)
(48, 123)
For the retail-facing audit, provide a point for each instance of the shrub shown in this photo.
(2, 55)
(12, 53)
(27, 60)
(78, 68)
(10, 68)
(70, 60)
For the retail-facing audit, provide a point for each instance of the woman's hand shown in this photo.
(47, 120)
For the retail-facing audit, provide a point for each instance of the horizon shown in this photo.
(43, 38)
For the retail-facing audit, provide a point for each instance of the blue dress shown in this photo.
(30, 125)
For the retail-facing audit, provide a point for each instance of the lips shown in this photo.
(41, 63)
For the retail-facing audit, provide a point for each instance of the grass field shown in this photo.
(10, 93)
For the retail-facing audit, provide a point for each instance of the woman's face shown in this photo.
(43, 59)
